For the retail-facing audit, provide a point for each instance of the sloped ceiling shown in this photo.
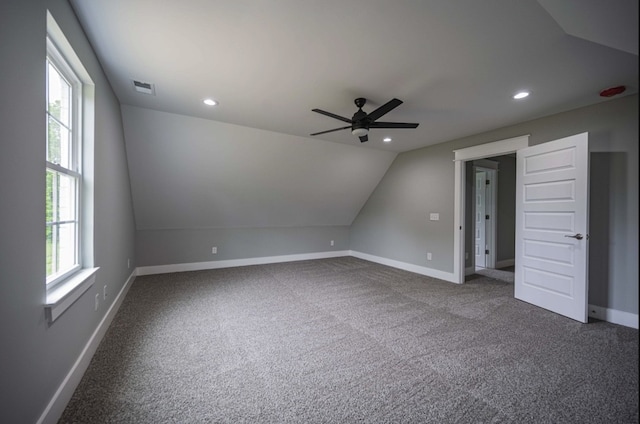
(250, 162)
(604, 22)
(195, 173)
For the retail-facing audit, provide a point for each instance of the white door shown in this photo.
(479, 225)
(551, 226)
(485, 214)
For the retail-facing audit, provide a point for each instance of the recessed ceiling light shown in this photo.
(387, 139)
(521, 95)
(210, 102)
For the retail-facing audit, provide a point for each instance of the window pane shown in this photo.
(66, 247)
(51, 252)
(59, 147)
(51, 191)
(61, 235)
(59, 96)
(66, 207)
(61, 248)
(61, 197)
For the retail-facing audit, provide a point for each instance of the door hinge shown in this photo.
(487, 182)
(486, 217)
(486, 252)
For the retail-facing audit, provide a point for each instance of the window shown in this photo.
(70, 114)
(64, 173)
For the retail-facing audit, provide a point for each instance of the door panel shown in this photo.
(551, 209)
(561, 222)
(556, 191)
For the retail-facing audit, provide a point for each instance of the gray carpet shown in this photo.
(347, 341)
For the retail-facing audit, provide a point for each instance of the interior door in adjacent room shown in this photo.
(551, 226)
(480, 245)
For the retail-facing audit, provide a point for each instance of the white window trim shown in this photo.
(59, 61)
(62, 292)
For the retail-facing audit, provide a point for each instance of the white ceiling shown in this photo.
(454, 63)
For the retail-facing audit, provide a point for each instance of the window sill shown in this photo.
(64, 294)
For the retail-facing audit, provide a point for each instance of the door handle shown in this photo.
(576, 236)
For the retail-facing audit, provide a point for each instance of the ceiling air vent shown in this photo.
(144, 87)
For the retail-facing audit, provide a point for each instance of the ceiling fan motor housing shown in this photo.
(362, 121)
(359, 120)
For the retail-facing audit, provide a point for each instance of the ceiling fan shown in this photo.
(361, 121)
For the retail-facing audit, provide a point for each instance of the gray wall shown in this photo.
(163, 247)
(37, 356)
(394, 221)
(506, 237)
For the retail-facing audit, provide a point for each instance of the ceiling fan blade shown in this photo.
(364, 138)
(328, 131)
(385, 108)
(333, 115)
(392, 125)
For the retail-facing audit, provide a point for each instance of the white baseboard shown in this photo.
(423, 270)
(198, 266)
(505, 263)
(613, 316)
(62, 396)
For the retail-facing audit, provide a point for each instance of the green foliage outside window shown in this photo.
(53, 155)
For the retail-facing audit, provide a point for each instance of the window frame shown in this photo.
(63, 291)
(57, 59)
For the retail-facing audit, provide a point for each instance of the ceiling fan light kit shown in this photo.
(359, 132)
(361, 122)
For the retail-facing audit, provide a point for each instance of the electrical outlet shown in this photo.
(331, 242)
(429, 257)
(104, 292)
(214, 250)
(97, 301)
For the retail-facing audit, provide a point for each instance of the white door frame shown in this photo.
(481, 151)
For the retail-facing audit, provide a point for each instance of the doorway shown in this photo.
(462, 158)
(551, 261)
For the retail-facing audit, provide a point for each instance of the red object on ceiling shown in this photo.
(613, 91)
